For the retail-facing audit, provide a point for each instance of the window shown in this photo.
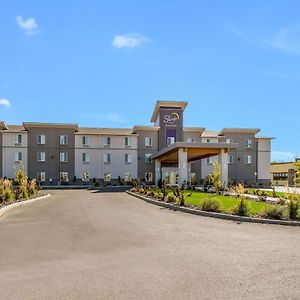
(127, 158)
(41, 176)
(85, 140)
(127, 177)
(85, 176)
(127, 141)
(106, 158)
(41, 139)
(41, 156)
(208, 140)
(64, 176)
(106, 177)
(280, 176)
(170, 140)
(63, 156)
(229, 141)
(248, 159)
(148, 158)
(85, 157)
(191, 140)
(18, 139)
(230, 159)
(148, 141)
(248, 143)
(209, 160)
(107, 141)
(148, 176)
(18, 156)
(63, 140)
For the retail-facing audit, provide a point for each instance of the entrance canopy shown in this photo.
(195, 151)
(183, 153)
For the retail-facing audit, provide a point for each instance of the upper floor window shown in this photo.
(127, 141)
(248, 143)
(208, 140)
(85, 140)
(127, 158)
(63, 139)
(41, 139)
(230, 159)
(148, 158)
(18, 156)
(106, 158)
(170, 140)
(41, 156)
(148, 141)
(63, 156)
(229, 141)
(107, 141)
(85, 157)
(191, 140)
(18, 139)
(248, 159)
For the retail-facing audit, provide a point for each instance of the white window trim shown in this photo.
(63, 157)
(128, 158)
(61, 175)
(40, 177)
(63, 140)
(151, 176)
(17, 142)
(42, 156)
(247, 162)
(86, 140)
(148, 160)
(43, 139)
(247, 144)
(18, 156)
(148, 141)
(128, 143)
(106, 158)
(85, 157)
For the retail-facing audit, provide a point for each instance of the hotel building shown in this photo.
(165, 150)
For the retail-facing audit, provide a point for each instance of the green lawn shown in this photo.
(227, 203)
(270, 193)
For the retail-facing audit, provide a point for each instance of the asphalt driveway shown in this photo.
(84, 245)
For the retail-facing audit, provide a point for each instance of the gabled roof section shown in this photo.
(15, 128)
(210, 134)
(167, 103)
(105, 131)
(145, 127)
(3, 126)
(239, 130)
(51, 125)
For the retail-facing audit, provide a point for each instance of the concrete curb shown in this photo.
(5, 209)
(213, 214)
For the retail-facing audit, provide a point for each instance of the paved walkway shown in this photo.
(85, 245)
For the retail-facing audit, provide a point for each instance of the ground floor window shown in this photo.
(64, 176)
(193, 178)
(127, 177)
(107, 177)
(85, 176)
(149, 176)
(41, 176)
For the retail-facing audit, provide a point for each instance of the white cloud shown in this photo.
(130, 40)
(114, 117)
(29, 25)
(287, 39)
(4, 102)
(282, 156)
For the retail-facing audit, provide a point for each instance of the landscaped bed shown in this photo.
(222, 202)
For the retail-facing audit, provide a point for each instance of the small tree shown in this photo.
(297, 173)
(216, 176)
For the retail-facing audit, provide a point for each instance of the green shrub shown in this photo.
(242, 208)
(171, 198)
(212, 205)
(274, 212)
(33, 188)
(149, 194)
(141, 191)
(293, 207)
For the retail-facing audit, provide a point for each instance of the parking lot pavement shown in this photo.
(89, 245)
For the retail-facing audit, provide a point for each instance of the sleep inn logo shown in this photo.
(171, 119)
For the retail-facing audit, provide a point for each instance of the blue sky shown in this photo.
(105, 63)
